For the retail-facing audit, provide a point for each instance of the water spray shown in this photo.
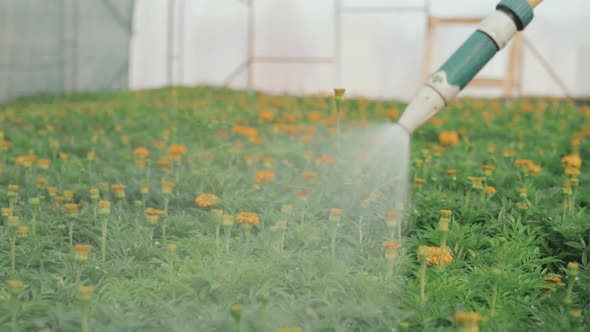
(492, 35)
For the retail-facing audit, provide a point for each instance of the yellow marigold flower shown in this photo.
(476, 182)
(573, 269)
(522, 205)
(69, 195)
(94, 194)
(266, 116)
(6, 212)
(392, 218)
(13, 187)
(85, 293)
(314, 117)
(141, 152)
(451, 172)
(41, 182)
(228, 220)
(488, 169)
(206, 200)
(26, 161)
(144, 188)
(326, 159)
(13, 221)
(434, 256)
(553, 279)
(58, 199)
(489, 190)
(90, 155)
(167, 187)
(534, 169)
(71, 209)
(23, 231)
(119, 190)
(572, 160)
(15, 286)
(339, 92)
(448, 138)
(522, 192)
(508, 152)
(572, 171)
(152, 215)
(63, 155)
(248, 218)
(5, 145)
(419, 182)
(567, 187)
(164, 163)
(104, 186)
(335, 215)
(446, 213)
(43, 163)
(104, 207)
(34, 201)
(390, 250)
(468, 321)
(264, 176)
(82, 252)
(491, 148)
(524, 163)
(289, 329)
(52, 191)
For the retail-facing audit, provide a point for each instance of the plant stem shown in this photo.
(333, 242)
(494, 296)
(443, 244)
(14, 317)
(360, 227)
(105, 222)
(227, 240)
(13, 253)
(71, 234)
(34, 221)
(422, 280)
(85, 314)
(217, 238)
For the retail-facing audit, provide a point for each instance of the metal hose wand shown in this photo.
(492, 35)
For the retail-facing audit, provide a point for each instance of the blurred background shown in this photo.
(374, 48)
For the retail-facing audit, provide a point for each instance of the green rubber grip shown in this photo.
(469, 59)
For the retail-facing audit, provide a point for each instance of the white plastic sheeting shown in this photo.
(380, 52)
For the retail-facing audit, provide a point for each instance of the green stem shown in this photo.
(105, 222)
(34, 221)
(171, 268)
(71, 234)
(422, 281)
(494, 296)
(333, 243)
(217, 238)
(15, 307)
(227, 241)
(13, 253)
(360, 227)
(85, 324)
(443, 244)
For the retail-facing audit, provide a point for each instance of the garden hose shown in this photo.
(492, 35)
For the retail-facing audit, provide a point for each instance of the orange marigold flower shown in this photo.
(573, 171)
(419, 182)
(44, 163)
(489, 190)
(314, 117)
(71, 209)
(572, 160)
(141, 152)
(488, 169)
(390, 249)
(23, 231)
(553, 279)
(434, 256)
(82, 252)
(326, 159)
(309, 175)
(177, 150)
(468, 321)
(167, 187)
(508, 152)
(264, 176)
(248, 218)
(26, 161)
(152, 215)
(104, 207)
(206, 200)
(5, 145)
(290, 117)
(448, 138)
(266, 116)
(13, 188)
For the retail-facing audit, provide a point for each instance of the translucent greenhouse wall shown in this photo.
(53, 46)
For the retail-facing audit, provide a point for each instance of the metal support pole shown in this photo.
(170, 44)
(251, 43)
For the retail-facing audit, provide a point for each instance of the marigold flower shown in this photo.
(82, 252)
(489, 190)
(264, 176)
(448, 138)
(13, 221)
(390, 250)
(476, 182)
(69, 195)
(5, 145)
(508, 152)
(326, 159)
(488, 169)
(335, 215)
(468, 321)
(52, 191)
(573, 171)
(44, 163)
(104, 207)
(6, 212)
(63, 156)
(13, 188)
(58, 199)
(553, 279)
(85, 293)
(94, 194)
(90, 155)
(309, 175)
(119, 190)
(522, 205)
(451, 172)
(248, 218)
(164, 163)
(434, 256)
(71, 209)
(228, 220)
(176, 151)
(392, 218)
(23, 231)
(266, 116)
(419, 182)
(572, 160)
(144, 188)
(167, 187)
(206, 200)
(567, 187)
(314, 117)
(522, 192)
(26, 161)
(34, 201)
(141, 152)
(152, 215)
(15, 286)
(446, 213)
